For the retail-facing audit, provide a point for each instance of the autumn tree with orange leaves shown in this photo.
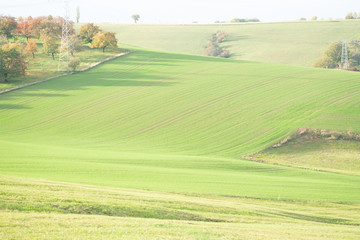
(104, 40)
(88, 31)
(31, 47)
(12, 60)
(8, 26)
(25, 28)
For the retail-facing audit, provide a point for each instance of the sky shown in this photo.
(183, 11)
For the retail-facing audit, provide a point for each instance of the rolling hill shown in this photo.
(294, 43)
(165, 123)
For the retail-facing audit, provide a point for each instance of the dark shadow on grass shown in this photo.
(34, 94)
(12, 106)
(109, 75)
(304, 217)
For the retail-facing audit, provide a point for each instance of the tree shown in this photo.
(88, 31)
(241, 20)
(8, 26)
(76, 44)
(25, 28)
(49, 27)
(104, 40)
(350, 16)
(356, 58)
(74, 63)
(220, 36)
(31, 47)
(77, 14)
(135, 17)
(314, 18)
(12, 60)
(331, 57)
(50, 46)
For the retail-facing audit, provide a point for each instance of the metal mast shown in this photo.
(65, 47)
(344, 56)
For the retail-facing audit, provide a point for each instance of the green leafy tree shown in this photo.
(12, 60)
(8, 26)
(50, 46)
(331, 57)
(88, 31)
(135, 17)
(104, 40)
(314, 18)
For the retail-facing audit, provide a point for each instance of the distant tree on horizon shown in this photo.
(314, 18)
(240, 20)
(135, 17)
(352, 15)
(77, 14)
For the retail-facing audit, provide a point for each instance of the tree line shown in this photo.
(45, 30)
(352, 15)
(212, 48)
(331, 57)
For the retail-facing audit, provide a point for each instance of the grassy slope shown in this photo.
(173, 122)
(34, 209)
(295, 43)
(340, 156)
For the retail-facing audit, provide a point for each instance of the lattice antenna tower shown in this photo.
(66, 46)
(345, 56)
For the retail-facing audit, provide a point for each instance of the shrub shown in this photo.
(74, 63)
(220, 36)
(353, 69)
(225, 53)
(213, 49)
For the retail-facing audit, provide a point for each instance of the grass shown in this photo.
(307, 151)
(19, 225)
(138, 121)
(294, 43)
(164, 136)
(42, 209)
(44, 67)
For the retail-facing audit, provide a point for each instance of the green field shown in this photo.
(159, 140)
(294, 43)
